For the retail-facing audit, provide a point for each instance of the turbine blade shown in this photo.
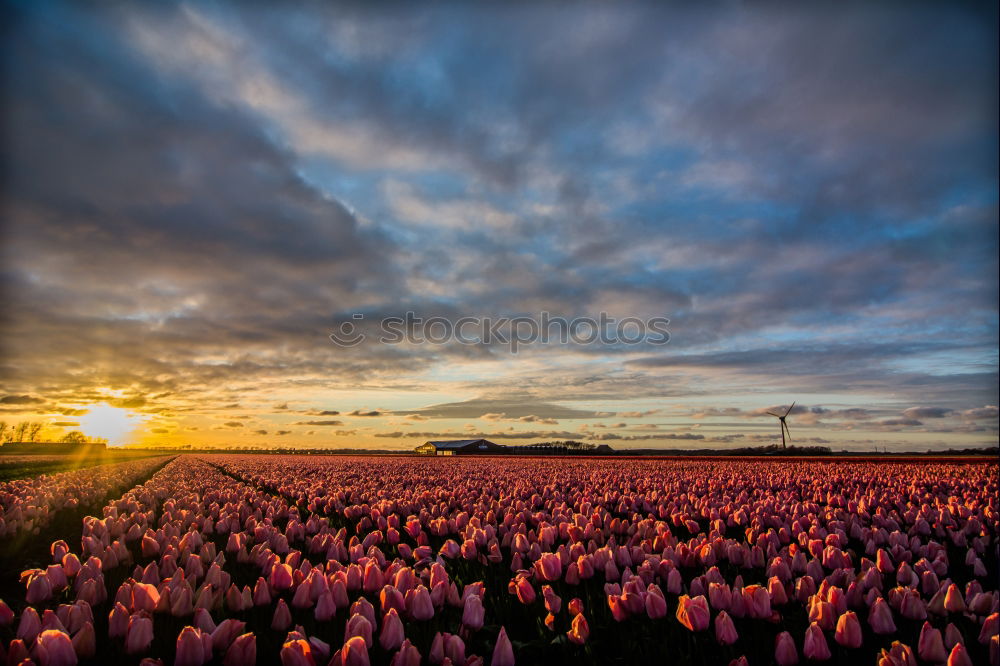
(775, 415)
(787, 430)
(790, 409)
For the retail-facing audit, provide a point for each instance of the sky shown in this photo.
(195, 196)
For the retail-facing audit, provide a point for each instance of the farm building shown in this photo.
(460, 447)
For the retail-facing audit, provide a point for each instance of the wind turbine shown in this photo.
(784, 426)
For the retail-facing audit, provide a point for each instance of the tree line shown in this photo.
(28, 431)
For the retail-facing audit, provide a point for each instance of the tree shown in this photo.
(3, 431)
(20, 430)
(33, 431)
(74, 437)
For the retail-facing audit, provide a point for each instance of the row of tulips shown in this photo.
(191, 535)
(302, 560)
(28, 505)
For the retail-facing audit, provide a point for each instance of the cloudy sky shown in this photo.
(195, 197)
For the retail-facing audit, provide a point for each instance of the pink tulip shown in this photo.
(242, 652)
(785, 653)
(225, 633)
(953, 602)
(912, 607)
(30, 625)
(6, 614)
(203, 620)
(54, 648)
(880, 618)
(725, 630)
(550, 566)
(693, 613)
(418, 604)
(139, 634)
(848, 631)
(407, 655)
(814, 646)
(297, 652)
(190, 649)
(281, 577)
(990, 628)
(358, 625)
(503, 651)
(473, 613)
(930, 646)
(85, 641)
(354, 653)
(144, 597)
(118, 621)
(17, 653)
(897, 655)
(39, 589)
(656, 604)
(758, 601)
(182, 602)
(579, 629)
(392, 634)
(959, 656)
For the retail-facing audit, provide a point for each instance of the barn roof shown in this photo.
(454, 443)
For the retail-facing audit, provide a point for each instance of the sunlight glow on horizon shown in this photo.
(115, 424)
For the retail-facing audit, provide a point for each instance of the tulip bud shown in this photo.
(503, 652)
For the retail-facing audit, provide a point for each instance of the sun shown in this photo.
(111, 423)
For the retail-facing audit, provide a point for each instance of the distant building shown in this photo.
(460, 447)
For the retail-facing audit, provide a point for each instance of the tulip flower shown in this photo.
(503, 651)
(297, 652)
(139, 634)
(358, 625)
(785, 653)
(575, 606)
(192, 649)
(953, 602)
(418, 603)
(550, 566)
(85, 641)
(118, 620)
(758, 601)
(393, 634)
(473, 614)
(725, 630)
(407, 655)
(848, 631)
(990, 628)
(579, 629)
(30, 625)
(693, 613)
(282, 618)
(6, 614)
(54, 648)
(930, 646)
(656, 604)
(814, 646)
(39, 589)
(525, 591)
(242, 651)
(880, 618)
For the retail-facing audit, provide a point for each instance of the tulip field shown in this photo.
(303, 560)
